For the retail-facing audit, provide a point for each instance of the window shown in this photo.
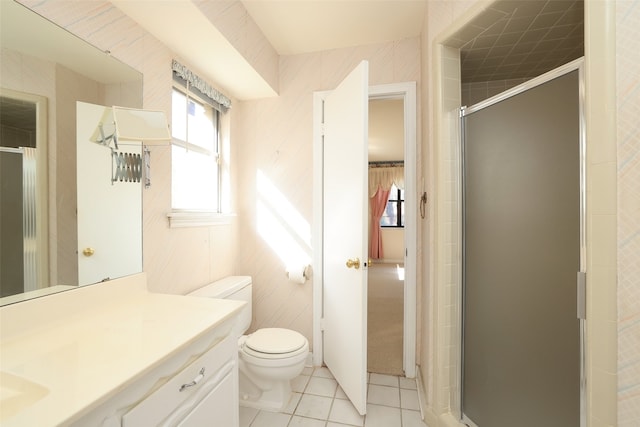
(195, 154)
(393, 215)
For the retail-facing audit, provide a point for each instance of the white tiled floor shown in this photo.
(318, 401)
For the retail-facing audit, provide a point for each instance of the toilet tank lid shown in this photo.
(222, 288)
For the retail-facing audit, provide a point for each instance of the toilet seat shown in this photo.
(275, 343)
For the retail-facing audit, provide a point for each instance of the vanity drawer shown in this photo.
(191, 389)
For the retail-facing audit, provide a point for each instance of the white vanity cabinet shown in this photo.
(117, 355)
(197, 387)
(204, 393)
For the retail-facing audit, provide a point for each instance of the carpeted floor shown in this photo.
(385, 318)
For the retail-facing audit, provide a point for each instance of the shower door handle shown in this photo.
(582, 295)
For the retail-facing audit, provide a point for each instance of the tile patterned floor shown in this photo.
(318, 401)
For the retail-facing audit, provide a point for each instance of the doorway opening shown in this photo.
(385, 276)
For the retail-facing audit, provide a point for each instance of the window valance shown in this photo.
(198, 83)
(385, 177)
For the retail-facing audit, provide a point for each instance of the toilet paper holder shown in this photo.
(298, 274)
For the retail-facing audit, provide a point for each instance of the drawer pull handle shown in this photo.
(195, 381)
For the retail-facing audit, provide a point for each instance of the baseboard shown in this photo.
(448, 420)
(430, 418)
(466, 421)
(422, 400)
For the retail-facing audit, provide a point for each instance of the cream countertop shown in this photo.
(78, 349)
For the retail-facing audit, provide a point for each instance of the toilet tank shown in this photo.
(234, 288)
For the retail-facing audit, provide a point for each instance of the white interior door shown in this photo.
(109, 214)
(345, 234)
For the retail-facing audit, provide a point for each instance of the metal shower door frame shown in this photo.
(576, 65)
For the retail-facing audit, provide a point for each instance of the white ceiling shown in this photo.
(291, 26)
(302, 26)
(510, 39)
(386, 129)
(181, 26)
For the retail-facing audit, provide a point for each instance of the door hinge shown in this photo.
(582, 295)
(322, 324)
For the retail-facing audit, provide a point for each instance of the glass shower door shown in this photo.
(18, 251)
(521, 345)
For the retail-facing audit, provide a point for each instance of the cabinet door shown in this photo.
(218, 408)
(213, 378)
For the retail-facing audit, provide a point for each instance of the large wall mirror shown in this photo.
(44, 72)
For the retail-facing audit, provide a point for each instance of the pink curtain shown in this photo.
(378, 204)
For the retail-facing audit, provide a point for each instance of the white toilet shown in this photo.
(269, 358)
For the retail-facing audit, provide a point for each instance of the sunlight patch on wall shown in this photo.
(280, 224)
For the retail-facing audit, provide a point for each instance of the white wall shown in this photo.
(393, 244)
(627, 316)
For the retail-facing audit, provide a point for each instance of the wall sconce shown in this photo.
(119, 124)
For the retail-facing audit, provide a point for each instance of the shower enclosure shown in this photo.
(24, 228)
(523, 240)
(18, 199)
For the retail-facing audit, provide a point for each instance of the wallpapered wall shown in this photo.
(628, 117)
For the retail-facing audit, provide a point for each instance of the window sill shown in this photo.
(178, 219)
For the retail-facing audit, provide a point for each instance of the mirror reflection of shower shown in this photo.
(18, 197)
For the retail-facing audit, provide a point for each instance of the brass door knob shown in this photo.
(353, 263)
(88, 251)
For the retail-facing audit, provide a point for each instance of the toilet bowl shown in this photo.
(269, 358)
